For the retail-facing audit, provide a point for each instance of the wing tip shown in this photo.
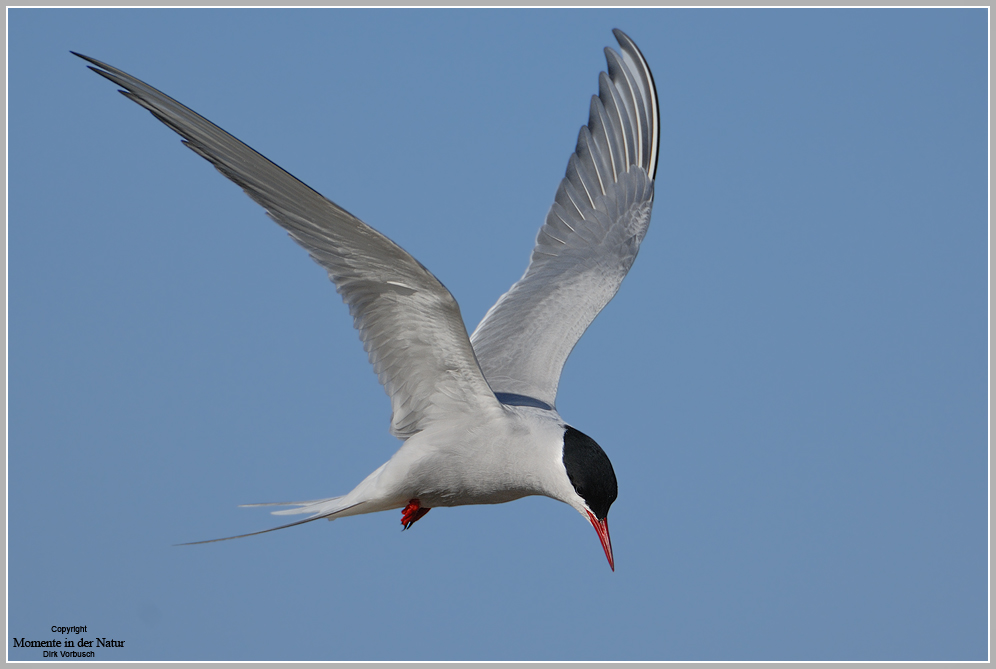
(628, 46)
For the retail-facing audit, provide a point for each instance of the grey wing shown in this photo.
(409, 322)
(589, 240)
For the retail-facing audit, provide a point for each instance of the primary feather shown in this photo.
(409, 322)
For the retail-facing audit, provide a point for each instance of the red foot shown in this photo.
(412, 512)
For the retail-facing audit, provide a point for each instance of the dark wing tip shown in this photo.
(92, 60)
(629, 46)
(623, 39)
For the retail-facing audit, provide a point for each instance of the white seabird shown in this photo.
(477, 414)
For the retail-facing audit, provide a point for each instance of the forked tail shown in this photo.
(319, 508)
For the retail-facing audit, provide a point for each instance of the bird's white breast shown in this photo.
(469, 461)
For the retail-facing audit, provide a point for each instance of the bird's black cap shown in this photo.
(590, 472)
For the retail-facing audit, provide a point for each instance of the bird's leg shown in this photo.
(412, 512)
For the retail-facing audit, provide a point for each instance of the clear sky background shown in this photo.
(791, 383)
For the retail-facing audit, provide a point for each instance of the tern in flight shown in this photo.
(477, 415)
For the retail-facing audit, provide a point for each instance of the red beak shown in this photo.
(602, 527)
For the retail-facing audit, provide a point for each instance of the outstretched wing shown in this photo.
(587, 244)
(409, 322)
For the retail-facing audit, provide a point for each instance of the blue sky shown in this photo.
(791, 383)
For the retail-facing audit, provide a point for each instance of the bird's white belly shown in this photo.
(449, 481)
(478, 465)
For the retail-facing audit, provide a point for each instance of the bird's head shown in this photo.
(593, 481)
